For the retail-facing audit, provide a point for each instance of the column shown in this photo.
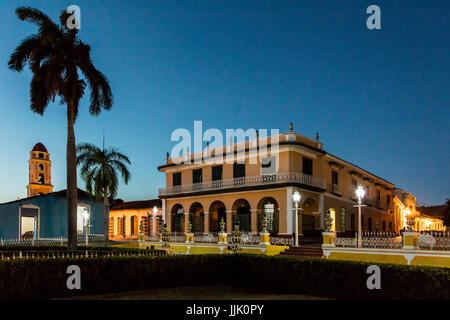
(322, 211)
(300, 221)
(254, 220)
(229, 222)
(290, 210)
(205, 222)
(186, 220)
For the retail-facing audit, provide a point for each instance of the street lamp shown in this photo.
(409, 220)
(86, 222)
(155, 211)
(360, 195)
(296, 197)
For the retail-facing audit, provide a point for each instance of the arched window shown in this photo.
(41, 155)
(343, 220)
(390, 226)
(369, 224)
(384, 225)
(41, 179)
(41, 166)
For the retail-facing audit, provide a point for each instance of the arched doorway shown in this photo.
(196, 215)
(177, 218)
(310, 217)
(216, 213)
(241, 214)
(268, 206)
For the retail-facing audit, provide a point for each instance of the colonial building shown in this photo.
(422, 218)
(43, 214)
(262, 179)
(128, 219)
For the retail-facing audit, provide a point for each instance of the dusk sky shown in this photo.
(378, 98)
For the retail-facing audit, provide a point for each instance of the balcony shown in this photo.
(335, 189)
(261, 180)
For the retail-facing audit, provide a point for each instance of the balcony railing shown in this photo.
(335, 189)
(278, 178)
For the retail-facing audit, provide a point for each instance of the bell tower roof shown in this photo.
(39, 147)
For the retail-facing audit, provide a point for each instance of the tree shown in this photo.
(447, 214)
(57, 58)
(99, 168)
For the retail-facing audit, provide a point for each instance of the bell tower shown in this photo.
(40, 171)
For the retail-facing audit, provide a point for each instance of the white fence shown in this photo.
(14, 255)
(93, 239)
(433, 240)
(373, 240)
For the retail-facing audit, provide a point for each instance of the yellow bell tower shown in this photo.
(40, 171)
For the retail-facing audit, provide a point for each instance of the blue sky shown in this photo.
(378, 98)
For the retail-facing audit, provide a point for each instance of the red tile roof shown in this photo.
(142, 204)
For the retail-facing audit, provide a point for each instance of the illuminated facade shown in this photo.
(258, 183)
(126, 219)
(40, 171)
(405, 206)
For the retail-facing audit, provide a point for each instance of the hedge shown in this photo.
(46, 278)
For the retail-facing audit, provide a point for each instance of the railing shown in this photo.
(13, 255)
(373, 240)
(285, 177)
(434, 240)
(213, 238)
(93, 239)
(335, 189)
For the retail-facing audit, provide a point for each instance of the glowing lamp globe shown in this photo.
(360, 192)
(296, 196)
(155, 210)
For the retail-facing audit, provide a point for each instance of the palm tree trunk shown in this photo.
(106, 213)
(71, 161)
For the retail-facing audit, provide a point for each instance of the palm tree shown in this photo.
(56, 56)
(447, 213)
(99, 169)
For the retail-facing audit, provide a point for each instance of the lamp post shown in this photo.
(360, 194)
(155, 211)
(296, 197)
(87, 222)
(409, 220)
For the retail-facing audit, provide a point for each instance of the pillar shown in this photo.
(254, 220)
(186, 220)
(322, 211)
(289, 211)
(328, 239)
(410, 240)
(229, 222)
(205, 222)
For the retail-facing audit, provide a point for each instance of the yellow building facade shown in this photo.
(40, 171)
(405, 207)
(261, 180)
(129, 219)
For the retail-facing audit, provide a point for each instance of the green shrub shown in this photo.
(46, 278)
